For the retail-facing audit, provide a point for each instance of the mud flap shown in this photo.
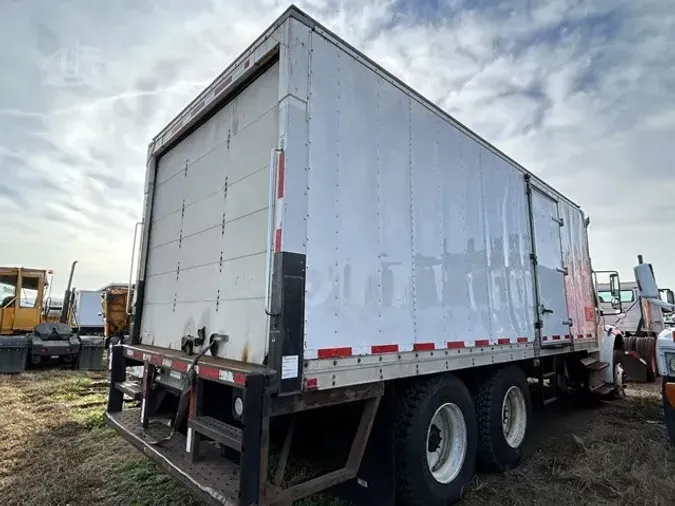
(634, 366)
(376, 480)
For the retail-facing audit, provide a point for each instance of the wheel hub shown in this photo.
(446, 443)
(514, 417)
(435, 439)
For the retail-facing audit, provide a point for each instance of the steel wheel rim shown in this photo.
(514, 417)
(446, 443)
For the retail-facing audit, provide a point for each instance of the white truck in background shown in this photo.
(86, 311)
(634, 317)
(322, 243)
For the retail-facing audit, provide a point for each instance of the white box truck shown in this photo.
(318, 237)
(86, 312)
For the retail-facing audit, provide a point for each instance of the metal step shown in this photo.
(218, 431)
(548, 375)
(604, 389)
(130, 389)
(589, 361)
(550, 400)
(597, 366)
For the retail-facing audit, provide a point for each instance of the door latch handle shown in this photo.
(544, 310)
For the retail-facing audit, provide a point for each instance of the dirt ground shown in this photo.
(56, 450)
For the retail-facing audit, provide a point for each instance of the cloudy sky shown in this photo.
(581, 92)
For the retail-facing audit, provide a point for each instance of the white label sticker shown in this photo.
(289, 367)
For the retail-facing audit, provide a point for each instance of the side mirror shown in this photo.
(667, 295)
(615, 289)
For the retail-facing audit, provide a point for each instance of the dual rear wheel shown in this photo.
(445, 430)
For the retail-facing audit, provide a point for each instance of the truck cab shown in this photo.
(624, 314)
(21, 299)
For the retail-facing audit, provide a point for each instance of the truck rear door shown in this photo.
(206, 261)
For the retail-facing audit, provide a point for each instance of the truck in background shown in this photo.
(116, 311)
(86, 312)
(322, 243)
(29, 334)
(627, 315)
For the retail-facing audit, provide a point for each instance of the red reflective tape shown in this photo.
(589, 336)
(483, 342)
(247, 63)
(156, 359)
(334, 352)
(503, 340)
(384, 348)
(223, 83)
(280, 176)
(522, 339)
(240, 378)
(191, 404)
(209, 372)
(277, 240)
(580, 336)
(311, 383)
(180, 366)
(197, 108)
(567, 336)
(544, 338)
(453, 345)
(555, 337)
(424, 347)
(146, 380)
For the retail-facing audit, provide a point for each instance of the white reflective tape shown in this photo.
(188, 440)
(142, 409)
(167, 363)
(226, 376)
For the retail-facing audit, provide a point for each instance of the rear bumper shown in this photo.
(54, 348)
(213, 479)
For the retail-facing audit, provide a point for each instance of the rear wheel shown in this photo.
(503, 408)
(436, 442)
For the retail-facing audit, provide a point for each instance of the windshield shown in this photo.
(626, 296)
(7, 289)
(29, 291)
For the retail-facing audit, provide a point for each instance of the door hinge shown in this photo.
(533, 257)
(538, 325)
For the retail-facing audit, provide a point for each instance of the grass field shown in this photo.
(56, 450)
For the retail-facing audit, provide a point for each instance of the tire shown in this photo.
(495, 452)
(417, 407)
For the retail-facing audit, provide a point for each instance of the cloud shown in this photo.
(580, 92)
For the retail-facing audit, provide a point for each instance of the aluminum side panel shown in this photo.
(416, 234)
(578, 282)
(206, 263)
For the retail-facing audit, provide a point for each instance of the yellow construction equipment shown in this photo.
(28, 330)
(116, 314)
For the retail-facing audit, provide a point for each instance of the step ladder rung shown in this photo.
(130, 388)
(218, 431)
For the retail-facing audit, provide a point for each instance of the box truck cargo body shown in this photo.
(87, 310)
(315, 231)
